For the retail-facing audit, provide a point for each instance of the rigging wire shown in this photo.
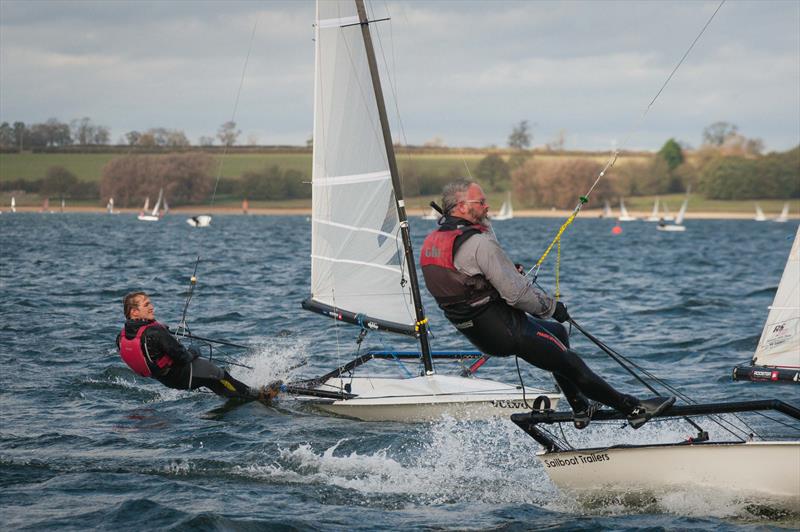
(616, 153)
(182, 328)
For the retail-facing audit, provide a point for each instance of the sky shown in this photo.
(463, 72)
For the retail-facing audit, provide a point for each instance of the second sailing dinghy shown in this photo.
(362, 263)
(506, 211)
(777, 356)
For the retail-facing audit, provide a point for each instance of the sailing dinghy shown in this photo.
(764, 472)
(678, 225)
(506, 211)
(760, 217)
(623, 213)
(777, 356)
(432, 215)
(362, 264)
(654, 217)
(202, 220)
(784, 215)
(155, 215)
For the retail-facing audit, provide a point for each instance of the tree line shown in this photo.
(83, 132)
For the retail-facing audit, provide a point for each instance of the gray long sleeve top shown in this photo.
(482, 254)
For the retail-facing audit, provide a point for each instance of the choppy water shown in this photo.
(86, 444)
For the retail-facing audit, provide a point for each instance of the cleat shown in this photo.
(647, 409)
(583, 417)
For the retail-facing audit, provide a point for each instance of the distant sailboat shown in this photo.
(607, 212)
(777, 355)
(759, 214)
(678, 225)
(202, 220)
(245, 206)
(433, 215)
(506, 211)
(784, 217)
(154, 215)
(13, 204)
(654, 217)
(623, 213)
(63, 204)
(110, 206)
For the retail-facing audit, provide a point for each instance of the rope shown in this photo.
(615, 154)
(193, 280)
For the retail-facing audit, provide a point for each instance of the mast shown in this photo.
(398, 191)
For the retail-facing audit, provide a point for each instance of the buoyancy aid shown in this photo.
(136, 357)
(455, 292)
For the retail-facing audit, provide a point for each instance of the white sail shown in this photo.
(759, 214)
(110, 206)
(13, 204)
(784, 216)
(158, 203)
(607, 212)
(682, 212)
(432, 215)
(667, 215)
(506, 211)
(780, 340)
(623, 213)
(356, 246)
(146, 205)
(654, 215)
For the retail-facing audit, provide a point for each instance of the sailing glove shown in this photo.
(560, 314)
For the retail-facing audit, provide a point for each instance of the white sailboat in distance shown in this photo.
(784, 216)
(678, 225)
(362, 263)
(432, 215)
(777, 355)
(13, 204)
(623, 213)
(155, 215)
(759, 214)
(607, 212)
(654, 217)
(506, 211)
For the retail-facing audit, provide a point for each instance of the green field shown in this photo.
(89, 166)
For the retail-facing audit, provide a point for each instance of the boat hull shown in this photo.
(421, 399)
(671, 228)
(757, 470)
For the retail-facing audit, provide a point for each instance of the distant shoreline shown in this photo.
(300, 211)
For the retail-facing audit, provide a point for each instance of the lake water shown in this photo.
(86, 444)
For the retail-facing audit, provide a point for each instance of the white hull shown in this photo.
(761, 470)
(148, 218)
(204, 220)
(420, 399)
(671, 228)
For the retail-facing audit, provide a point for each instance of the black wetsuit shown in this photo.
(187, 372)
(497, 328)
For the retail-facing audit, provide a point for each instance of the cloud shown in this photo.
(464, 71)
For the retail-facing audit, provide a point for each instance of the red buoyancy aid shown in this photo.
(448, 286)
(135, 357)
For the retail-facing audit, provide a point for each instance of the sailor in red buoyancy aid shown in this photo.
(482, 293)
(148, 348)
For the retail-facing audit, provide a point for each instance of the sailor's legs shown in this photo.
(502, 331)
(208, 375)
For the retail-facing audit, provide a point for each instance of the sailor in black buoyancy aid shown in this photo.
(148, 348)
(502, 313)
